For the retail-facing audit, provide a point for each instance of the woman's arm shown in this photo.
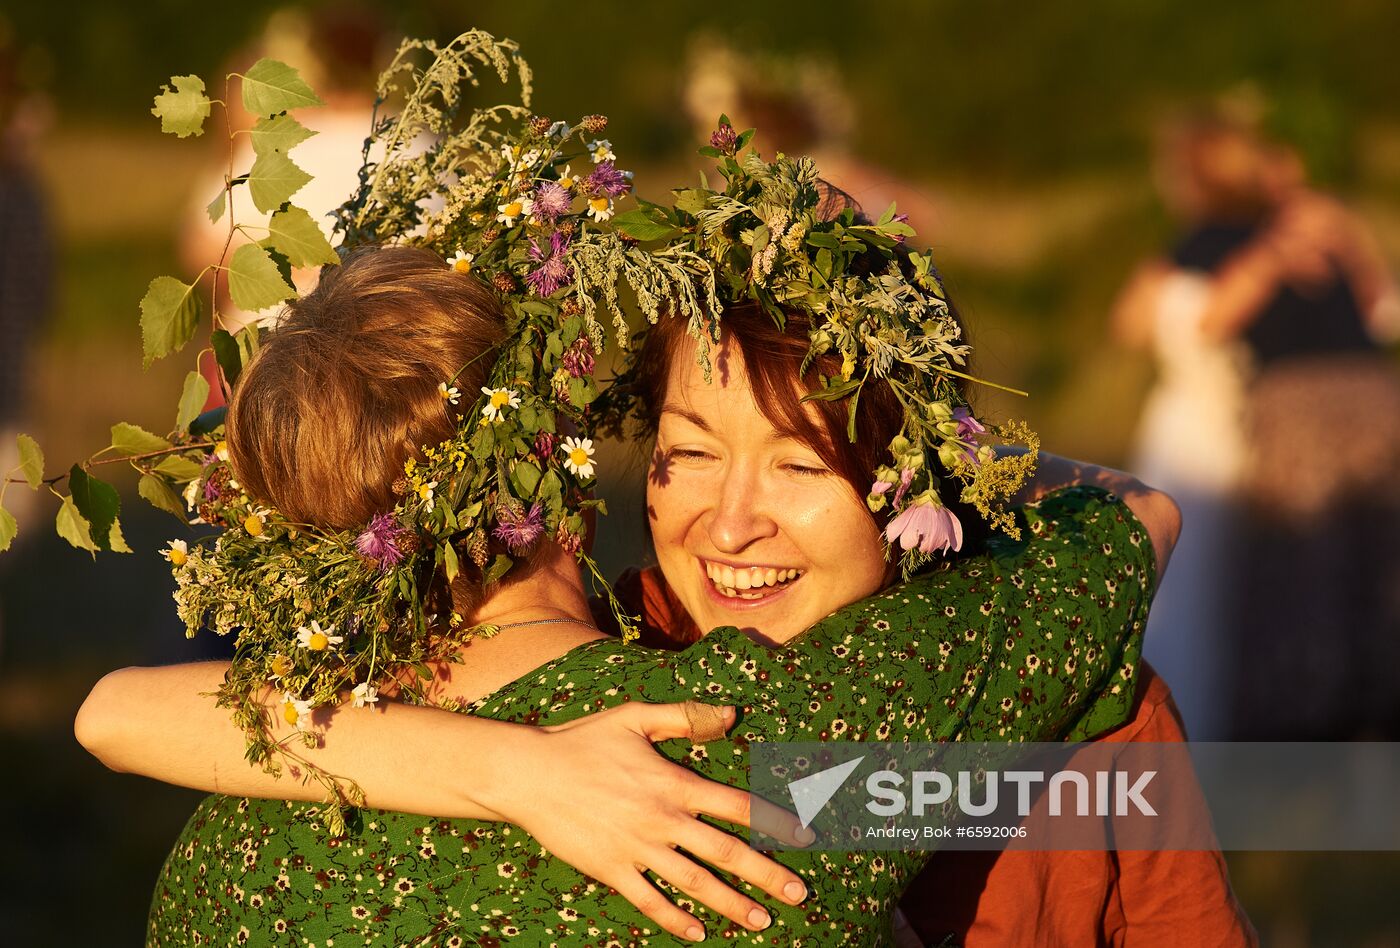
(160, 722)
(1134, 312)
(1158, 513)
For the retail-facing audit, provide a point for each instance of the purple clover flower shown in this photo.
(606, 179)
(724, 138)
(553, 270)
(519, 531)
(551, 201)
(578, 360)
(544, 445)
(380, 542)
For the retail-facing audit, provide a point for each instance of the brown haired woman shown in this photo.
(252, 868)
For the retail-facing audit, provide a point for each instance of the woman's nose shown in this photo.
(740, 515)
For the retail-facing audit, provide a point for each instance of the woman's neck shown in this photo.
(542, 615)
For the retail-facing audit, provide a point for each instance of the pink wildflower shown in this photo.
(928, 525)
(380, 542)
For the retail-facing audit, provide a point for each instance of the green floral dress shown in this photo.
(1035, 640)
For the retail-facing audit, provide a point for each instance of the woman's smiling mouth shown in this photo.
(749, 582)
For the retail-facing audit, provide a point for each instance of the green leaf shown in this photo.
(638, 225)
(279, 133)
(247, 340)
(692, 200)
(116, 540)
(254, 281)
(31, 461)
(179, 468)
(271, 87)
(819, 239)
(293, 232)
(834, 392)
(156, 492)
(215, 209)
(183, 111)
(526, 478)
(170, 313)
(273, 179)
(192, 398)
(129, 440)
(497, 569)
(98, 502)
(9, 528)
(710, 151)
(449, 561)
(227, 354)
(73, 528)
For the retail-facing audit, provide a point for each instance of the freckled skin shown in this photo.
(726, 488)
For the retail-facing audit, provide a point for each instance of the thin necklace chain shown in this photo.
(516, 625)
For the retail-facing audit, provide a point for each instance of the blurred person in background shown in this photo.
(1190, 436)
(337, 49)
(1284, 620)
(26, 255)
(1315, 617)
(802, 106)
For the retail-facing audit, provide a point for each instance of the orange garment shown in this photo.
(1081, 898)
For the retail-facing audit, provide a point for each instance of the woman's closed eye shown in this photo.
(805, 470)
(688, 454)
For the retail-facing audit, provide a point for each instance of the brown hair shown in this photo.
(346, 390)
(772, 360)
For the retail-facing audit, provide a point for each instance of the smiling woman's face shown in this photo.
(751, 528)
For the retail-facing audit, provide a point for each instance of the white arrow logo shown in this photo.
(810, 794)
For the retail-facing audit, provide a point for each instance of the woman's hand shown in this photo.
(596, 794)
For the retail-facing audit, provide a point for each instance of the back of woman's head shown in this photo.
(347, 389)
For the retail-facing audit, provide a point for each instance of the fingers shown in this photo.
(654, 905)
(698, 883)
(730, 853)
(744, 809)
(690, 720)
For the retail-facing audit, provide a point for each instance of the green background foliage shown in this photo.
(1027, 125)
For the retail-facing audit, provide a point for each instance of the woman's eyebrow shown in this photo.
(686, 414)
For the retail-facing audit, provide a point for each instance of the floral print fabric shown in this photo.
(1036, 639)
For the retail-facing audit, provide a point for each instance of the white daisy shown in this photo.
(461, 261)
(295, 712)
(601, 150)
(221, 450)
(449, 393)
(600, 208)
(363, 695)
(178, 553)
(578, 455)
(317, 639)
(192, 494)
(256, 523)
(425, 493)
(500, 400)
(514, 209)
(567, 179)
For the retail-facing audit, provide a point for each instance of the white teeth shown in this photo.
(734, 583)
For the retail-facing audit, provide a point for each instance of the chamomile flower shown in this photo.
(449, 393)
(567, 179)
(514, 209)
(578, 455)
(192, 494)
(295, 711)
(363, 695)
(313, 638)
(499, 400)
(425, 492)
(461, 261)
(256, 523)
(280, 668)
(221, 450)
(601, 150)
(178, 553)
(600, 208)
